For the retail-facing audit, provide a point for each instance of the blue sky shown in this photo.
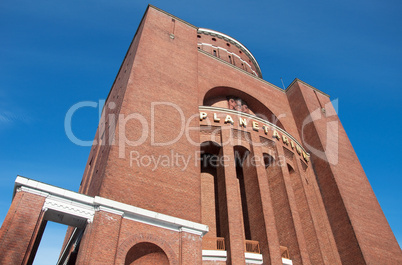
(54, 54)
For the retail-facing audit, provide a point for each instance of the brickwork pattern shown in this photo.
(20, 228)
(323, 212)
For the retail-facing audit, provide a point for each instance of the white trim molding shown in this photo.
(69, 207)
(287, 261)
(76, 205)
(217, 255)
(253, 258)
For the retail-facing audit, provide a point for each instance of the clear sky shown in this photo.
(54, 54)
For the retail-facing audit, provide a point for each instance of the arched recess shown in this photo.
(306, 218)
(290, 168)
(250, 195)
(268, 160)
(146, 253)
(213, 196)
(280, 203)
(217, 97)
(136, 239)
(241, 154)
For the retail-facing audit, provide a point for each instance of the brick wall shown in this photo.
(21, 228)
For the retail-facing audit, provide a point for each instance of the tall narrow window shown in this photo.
(240, 156)
(230, 59)
(214, 52)
(213, 201)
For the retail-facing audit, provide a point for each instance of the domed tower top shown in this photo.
(228, 49)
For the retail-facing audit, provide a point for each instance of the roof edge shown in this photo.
(173, 16)
(304, 83)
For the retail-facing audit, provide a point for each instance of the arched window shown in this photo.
(221, 96)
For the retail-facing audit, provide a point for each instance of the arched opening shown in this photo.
(306, 218)
(256, 240)
(213, 197)
(146, 253)
(241, 154)
(209, 194)
(290, 169)
(280, 202)
(268, 160)
(220, 97)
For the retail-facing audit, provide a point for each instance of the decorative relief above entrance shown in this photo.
(238, 104)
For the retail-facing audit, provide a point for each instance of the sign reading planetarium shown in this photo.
(250, 121)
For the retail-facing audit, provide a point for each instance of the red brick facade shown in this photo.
(20, 229)
(272, 175)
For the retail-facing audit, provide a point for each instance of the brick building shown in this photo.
(198, 160)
